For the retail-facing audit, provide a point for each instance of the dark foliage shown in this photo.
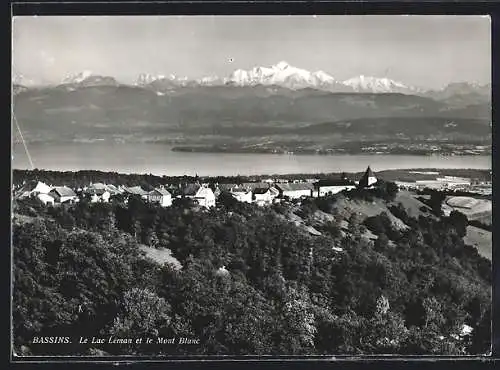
(285, 291)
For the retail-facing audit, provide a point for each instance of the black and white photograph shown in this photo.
(247, 185)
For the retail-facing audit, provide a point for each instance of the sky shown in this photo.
(426, 51)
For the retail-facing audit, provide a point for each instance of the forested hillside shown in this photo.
(251, 281)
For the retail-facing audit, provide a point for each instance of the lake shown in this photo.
(160, 160)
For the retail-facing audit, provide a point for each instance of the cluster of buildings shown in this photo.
(47, 194)
(447, 183)
(205, 195)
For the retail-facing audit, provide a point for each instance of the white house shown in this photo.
(295, 190)
(41, 188)
(32, 188)
(242, 195)
(264, 196)
(100, 196)
(63, 194)
(160, 195)
(105, 196)
(333, 186)
(46, 199)
(202, 194)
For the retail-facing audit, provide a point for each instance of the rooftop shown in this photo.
(191, 189)
(260, 190)
(137, 190)
(295, 186)
(64, 191)
(334, 182)
(161, 191)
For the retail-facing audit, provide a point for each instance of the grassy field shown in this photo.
(480, 239)
(473, 208)
(411, 204)
(161, 256)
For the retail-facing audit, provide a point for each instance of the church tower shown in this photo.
(368, 179)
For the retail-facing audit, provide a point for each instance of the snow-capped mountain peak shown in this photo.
(19, 79)
(323, 76)
(146, 78)
(210, 80)
(87, 79)
(375, 84)
(282, 65)
(77, 77)
(282, 74)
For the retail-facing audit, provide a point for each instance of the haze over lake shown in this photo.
(160, 160)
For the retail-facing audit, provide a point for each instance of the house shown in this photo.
(100, 196)
(240, 193)
(202, 194)
(113, 190)
(33, 188)
(63, 194)
(98, 193)
(254, 185)
(160, 195)
(368, 179)
(264, 196)
(105, 196)
(136, 190)
(41, 188)
(97, 185)
(46, 198)
(295, 190)
(223, 188)
(94, 198)
(332, 186)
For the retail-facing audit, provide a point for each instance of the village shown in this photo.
(262, 193)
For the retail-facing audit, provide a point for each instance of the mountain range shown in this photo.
(281, 74)
(281, 106)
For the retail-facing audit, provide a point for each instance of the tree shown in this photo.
(386, 330)
(227, 200)
(141, 313)
(459, 222)
(392, 190)
(354, 224)
(381, 243)
(434, 318)
(375, 224)
(298, 322)
(436, 202)
(480, 340)
(184, 203)
(382, 306)
(275, 297)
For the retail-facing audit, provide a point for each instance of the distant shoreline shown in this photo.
(347, 149)
(196, 149)
(459, 172)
